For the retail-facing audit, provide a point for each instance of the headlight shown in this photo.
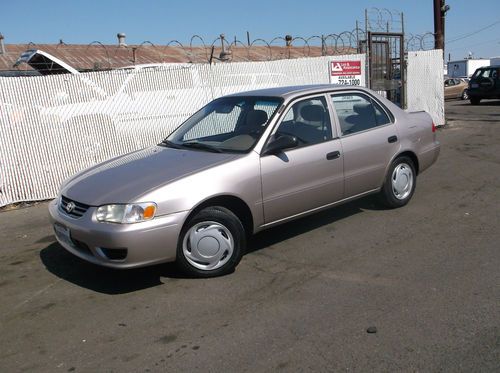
(126, 214)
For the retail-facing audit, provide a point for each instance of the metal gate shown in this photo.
(386, 64)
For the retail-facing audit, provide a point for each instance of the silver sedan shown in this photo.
(241, 164)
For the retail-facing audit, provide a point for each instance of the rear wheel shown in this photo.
(399, 183)
(475, 100)
(211, 243)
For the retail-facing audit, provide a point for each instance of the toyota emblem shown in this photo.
(70, 207)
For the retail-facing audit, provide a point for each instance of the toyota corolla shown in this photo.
(243, 163)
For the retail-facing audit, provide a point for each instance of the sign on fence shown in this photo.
(347, 72)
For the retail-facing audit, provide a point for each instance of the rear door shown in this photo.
(369, 140)
(458, 88)
(449, 88)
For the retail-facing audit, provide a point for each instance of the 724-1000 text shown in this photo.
(349, 81)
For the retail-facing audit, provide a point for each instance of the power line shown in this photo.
(474, 45)
(472, 33)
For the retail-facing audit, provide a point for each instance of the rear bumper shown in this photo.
(484, 94)
(429, 156)
(145, 243)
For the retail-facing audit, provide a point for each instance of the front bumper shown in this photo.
(144, 243)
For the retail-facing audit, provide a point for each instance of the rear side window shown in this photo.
(449, 83)
(486, 73)
(358, 112)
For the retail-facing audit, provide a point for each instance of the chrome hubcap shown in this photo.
(402, 181)
(208, 245)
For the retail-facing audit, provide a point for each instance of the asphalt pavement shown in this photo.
(424, 280)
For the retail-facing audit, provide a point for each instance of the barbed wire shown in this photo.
(221, 49)
(419, 42)
(383, 20)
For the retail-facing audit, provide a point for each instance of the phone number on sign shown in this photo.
(349, 81)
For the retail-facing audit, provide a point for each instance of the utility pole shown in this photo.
(440, 9)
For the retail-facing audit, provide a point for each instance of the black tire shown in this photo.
(465, 95)
(230, 228)
(388, 194)
(475, 100)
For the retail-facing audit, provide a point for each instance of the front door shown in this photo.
(308, 176)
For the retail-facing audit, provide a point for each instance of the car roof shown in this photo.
(292, 91)
(489, 67)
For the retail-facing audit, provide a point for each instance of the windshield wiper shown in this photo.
(170, 144)
(201, 145)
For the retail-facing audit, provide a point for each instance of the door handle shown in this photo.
(333, 155)
(392, 139)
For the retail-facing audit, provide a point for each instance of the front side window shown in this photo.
(308, 121)
(228, 124)
(357, 112)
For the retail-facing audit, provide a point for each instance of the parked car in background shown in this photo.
(456, 88)
(243, 163)
(485, 83)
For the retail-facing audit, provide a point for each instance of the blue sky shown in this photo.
(82, 22)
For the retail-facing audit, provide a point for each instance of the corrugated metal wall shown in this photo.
(425, 88)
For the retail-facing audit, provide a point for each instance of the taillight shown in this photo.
(433, 127)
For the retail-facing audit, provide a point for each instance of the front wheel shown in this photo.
(399, 183)
(211, 243)
(465, 95)
(475, 100)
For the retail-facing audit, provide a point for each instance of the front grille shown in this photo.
(78, 208)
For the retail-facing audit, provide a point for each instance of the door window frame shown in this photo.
(388, 113)
(288, 107)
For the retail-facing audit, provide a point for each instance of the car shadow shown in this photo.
(300, 226)
(489, 103)
(104, 280)
(110, 281)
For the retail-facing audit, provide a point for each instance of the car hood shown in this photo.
(126, 178)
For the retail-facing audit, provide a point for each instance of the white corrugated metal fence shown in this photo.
(54, 126)
(425, 88)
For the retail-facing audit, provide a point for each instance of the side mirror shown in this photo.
(278, 144)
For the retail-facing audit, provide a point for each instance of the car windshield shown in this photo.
(228, 124)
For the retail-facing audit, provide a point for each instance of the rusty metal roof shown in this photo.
(103, 57)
